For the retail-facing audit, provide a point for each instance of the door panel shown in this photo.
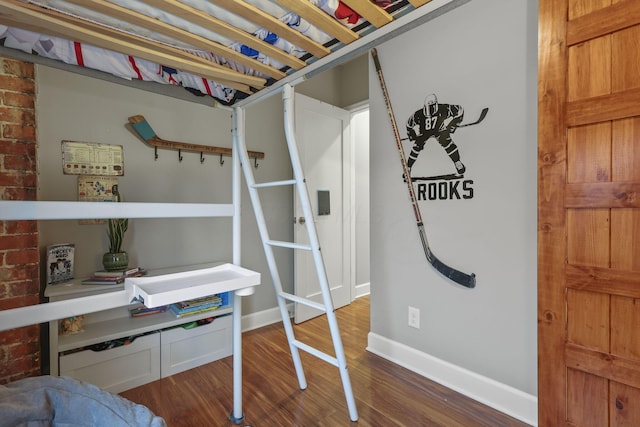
(322, 132)
(586, 399)
(589, 213)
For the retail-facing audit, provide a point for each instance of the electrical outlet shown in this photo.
(414, 317)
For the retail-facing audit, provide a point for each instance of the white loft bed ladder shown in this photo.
(314, 246)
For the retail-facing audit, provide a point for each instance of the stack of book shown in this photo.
(195, 306)
(104, 277)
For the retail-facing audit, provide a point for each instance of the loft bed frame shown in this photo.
(250, 80)
(226, 68)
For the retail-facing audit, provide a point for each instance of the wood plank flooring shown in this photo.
(386, 394)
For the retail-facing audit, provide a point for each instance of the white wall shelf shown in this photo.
(169, 288)
(120, 327)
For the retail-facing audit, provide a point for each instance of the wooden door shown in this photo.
(589, 213)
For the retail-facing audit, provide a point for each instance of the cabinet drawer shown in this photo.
(183, 349)
(119, 368)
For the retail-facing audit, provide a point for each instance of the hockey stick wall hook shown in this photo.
(147, 134)
(464, 279)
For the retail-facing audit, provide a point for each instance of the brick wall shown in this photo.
(19, 254)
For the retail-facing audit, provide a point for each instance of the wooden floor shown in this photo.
(386, 394)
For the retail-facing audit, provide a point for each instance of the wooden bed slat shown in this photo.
(418, 3)
(177, 53)
(377, 16)
(211, 23)
(320, 19)
(27, 15)
(268, 22)
(153, 24)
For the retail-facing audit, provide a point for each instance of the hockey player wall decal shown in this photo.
(438, 121)
(459, 277)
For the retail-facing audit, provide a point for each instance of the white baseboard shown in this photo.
(263, 318)
(363, 290)
(506, 399)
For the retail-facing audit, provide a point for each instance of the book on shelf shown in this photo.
(199, 302)
(59, 262)
(180, 313)
(129, 272)
(145, 311)
(196, 306)
(116, 277)
(103, 281)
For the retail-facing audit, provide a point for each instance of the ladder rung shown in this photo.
(319, 354)
(274, 183)
(288, 245)
(305, 301)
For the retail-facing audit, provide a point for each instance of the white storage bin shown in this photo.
(119, 368)
(183, 349)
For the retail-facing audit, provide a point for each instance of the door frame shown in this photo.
(362, 290)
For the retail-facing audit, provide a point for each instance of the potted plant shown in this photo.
(116, 258)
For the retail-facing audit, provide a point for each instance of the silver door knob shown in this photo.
(301, 220)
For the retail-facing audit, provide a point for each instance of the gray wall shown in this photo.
(80, 108)
(482, 54)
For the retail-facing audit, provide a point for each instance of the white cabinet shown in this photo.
(164, 344)
(119, 368)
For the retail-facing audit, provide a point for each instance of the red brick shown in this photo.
(17, 115)
(17, 302)
(18, 132)
(27, 148)
(19, 163)
(19, 194)
(24, 349)
(23, 288)
(18, 242)
(20, 227)
(28, 256)
(16, 84)
(21, 100)
(18, 178)
(18, 68)
(19, 272)
(24, 364)
(24, 334)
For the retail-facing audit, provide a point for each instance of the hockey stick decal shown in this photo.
(483, 114)
(467, 280)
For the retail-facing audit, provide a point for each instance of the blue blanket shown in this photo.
(65, 402)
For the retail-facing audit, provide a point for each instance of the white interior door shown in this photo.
(322, 133)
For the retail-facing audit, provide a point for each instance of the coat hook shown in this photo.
(179, 155)
(201, 157)
(221, 160)
(255, 162)
(156, 149)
